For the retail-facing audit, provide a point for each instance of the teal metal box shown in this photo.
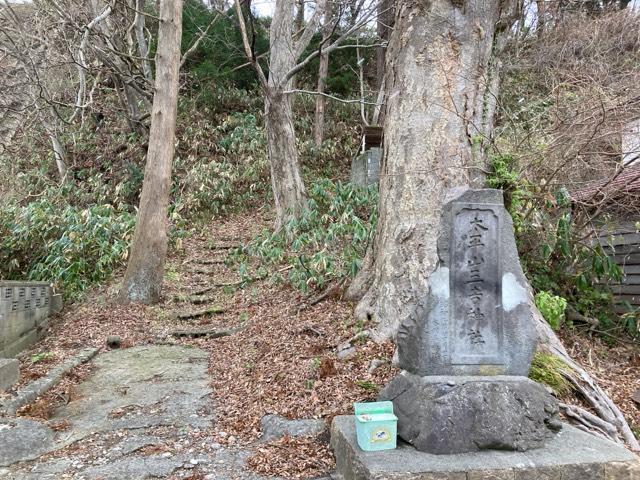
(376, 426)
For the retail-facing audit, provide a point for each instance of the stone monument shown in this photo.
(465, 354)
(467, 349)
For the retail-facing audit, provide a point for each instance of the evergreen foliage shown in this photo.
(220, 54)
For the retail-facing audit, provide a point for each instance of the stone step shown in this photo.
(570, 455)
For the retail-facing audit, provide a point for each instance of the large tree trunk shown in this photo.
(438, 77)
(145, 271)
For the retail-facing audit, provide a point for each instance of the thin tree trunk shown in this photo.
(133, 110)
(123, 71)
(384, 27)
(141, 40)
(541, 5)
(321, 101)
(436, 80)
(119, 88)
(288, 188)
(145, 270)
(297, 31)
(323, 72)
(59, 153)
(377, 118)
(363, 112)
(60, 156)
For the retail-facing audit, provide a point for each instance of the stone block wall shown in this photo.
(24, 311)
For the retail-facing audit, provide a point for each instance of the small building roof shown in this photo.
(624, 183)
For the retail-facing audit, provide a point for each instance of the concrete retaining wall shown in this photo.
(24, 311)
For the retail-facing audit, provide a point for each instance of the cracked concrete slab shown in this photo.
(139, 388)
(136, 467)
(22, 439)
(144, 413)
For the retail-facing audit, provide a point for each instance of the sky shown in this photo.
(265, 7)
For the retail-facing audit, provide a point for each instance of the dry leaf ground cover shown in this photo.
(614, 365)
(281, 360)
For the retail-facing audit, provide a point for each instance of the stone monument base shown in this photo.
(445, 415)
(569, 455)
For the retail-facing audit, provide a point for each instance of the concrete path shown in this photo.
(145, 413)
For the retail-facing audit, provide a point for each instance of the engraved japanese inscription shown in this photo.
(476, 329)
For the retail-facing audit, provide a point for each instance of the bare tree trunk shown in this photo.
(288, 188)
(141, 40)
(122, 69)
(542, 16)
(323, 72)
(363, 112)
(133, 110)
(145, 270)
(284, 63)
(437, 79)
(59, 153)
(377, 117)
(297, 31)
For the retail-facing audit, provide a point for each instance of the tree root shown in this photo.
(589, 422)
(609, 421)
(335, 290)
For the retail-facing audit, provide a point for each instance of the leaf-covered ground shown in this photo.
(282, 360)
(281, 357)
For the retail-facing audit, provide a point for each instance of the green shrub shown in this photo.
(237, 176)
(217, 57)
(561, 265)
(327, 243)
(242, 135)
(69, 246)
(552, 308)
